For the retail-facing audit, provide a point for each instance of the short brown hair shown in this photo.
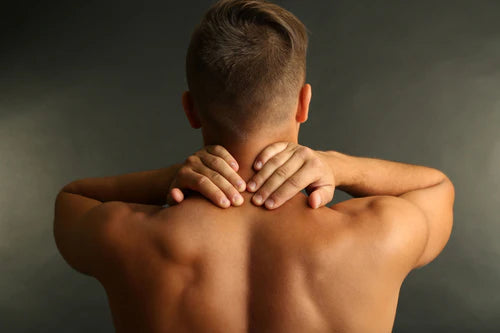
(246, 64)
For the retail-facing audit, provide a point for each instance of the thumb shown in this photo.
(175, 196)
(321, 196)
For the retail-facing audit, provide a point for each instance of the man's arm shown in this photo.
(146, 187)
(211, 171)
(364, 176)
(87, 209)
(90, 214)
(416, 200)
(414, 204)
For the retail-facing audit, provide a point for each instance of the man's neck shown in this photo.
(245, 152)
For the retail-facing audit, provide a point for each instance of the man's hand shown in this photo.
(284, 169)
(212, 172)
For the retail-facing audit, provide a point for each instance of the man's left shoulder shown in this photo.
(129, 221)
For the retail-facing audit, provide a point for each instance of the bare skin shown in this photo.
(250, 269)
(250, 266)
(195, 267)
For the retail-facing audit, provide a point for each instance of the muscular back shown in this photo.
(198, 268)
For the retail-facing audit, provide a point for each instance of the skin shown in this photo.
(258, 149)
(247, 269)
(210, 265)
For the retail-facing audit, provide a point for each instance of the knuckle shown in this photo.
(219, 162)
(282, 172)
(214, 149)
(294, 182)
(192, 159)
(217, 149)
(274, 161)
(201, 180)
(214, 162)
(183, 171)
(303, 151)
(216, 177)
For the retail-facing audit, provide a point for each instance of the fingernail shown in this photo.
(258, 199)
(225, 202)
(258, 165)
(234, 165)
(237, 199)
(241, 185)
(269, 203)
(252, 185)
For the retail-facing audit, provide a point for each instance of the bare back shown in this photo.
(198, 268)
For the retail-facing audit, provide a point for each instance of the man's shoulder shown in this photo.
(392, 225)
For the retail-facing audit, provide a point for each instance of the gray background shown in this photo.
(92, 88)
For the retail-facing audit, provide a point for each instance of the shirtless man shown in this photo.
(258, 255)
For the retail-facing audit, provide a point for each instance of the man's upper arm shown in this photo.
(436, 204)
(414, 226)
(83, 229)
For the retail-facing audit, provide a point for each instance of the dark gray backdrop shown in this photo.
(92, 88)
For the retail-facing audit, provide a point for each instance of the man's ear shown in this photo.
(189, 109)
(305, 96)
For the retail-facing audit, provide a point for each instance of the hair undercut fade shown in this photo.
(246, 64)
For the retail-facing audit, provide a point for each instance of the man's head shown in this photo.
(246, 69)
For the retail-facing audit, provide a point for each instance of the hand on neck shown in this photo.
(246, 149)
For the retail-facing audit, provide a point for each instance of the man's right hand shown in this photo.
(212, 172)
(285, 169)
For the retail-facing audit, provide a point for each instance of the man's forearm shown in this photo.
(146, 187)
(363, 176)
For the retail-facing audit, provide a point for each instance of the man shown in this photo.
(260, 256)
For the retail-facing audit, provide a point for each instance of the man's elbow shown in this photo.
(440, 225)
(450, 201)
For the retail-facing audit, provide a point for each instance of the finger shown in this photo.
(190, 179)
(222, 152)
(314, 199)
(268, 170)
(203, 185)
(175, 196)
(290, 188)
(279, 177)
(217, 180)
(268, 153)
(321, 196)
(221, 166)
